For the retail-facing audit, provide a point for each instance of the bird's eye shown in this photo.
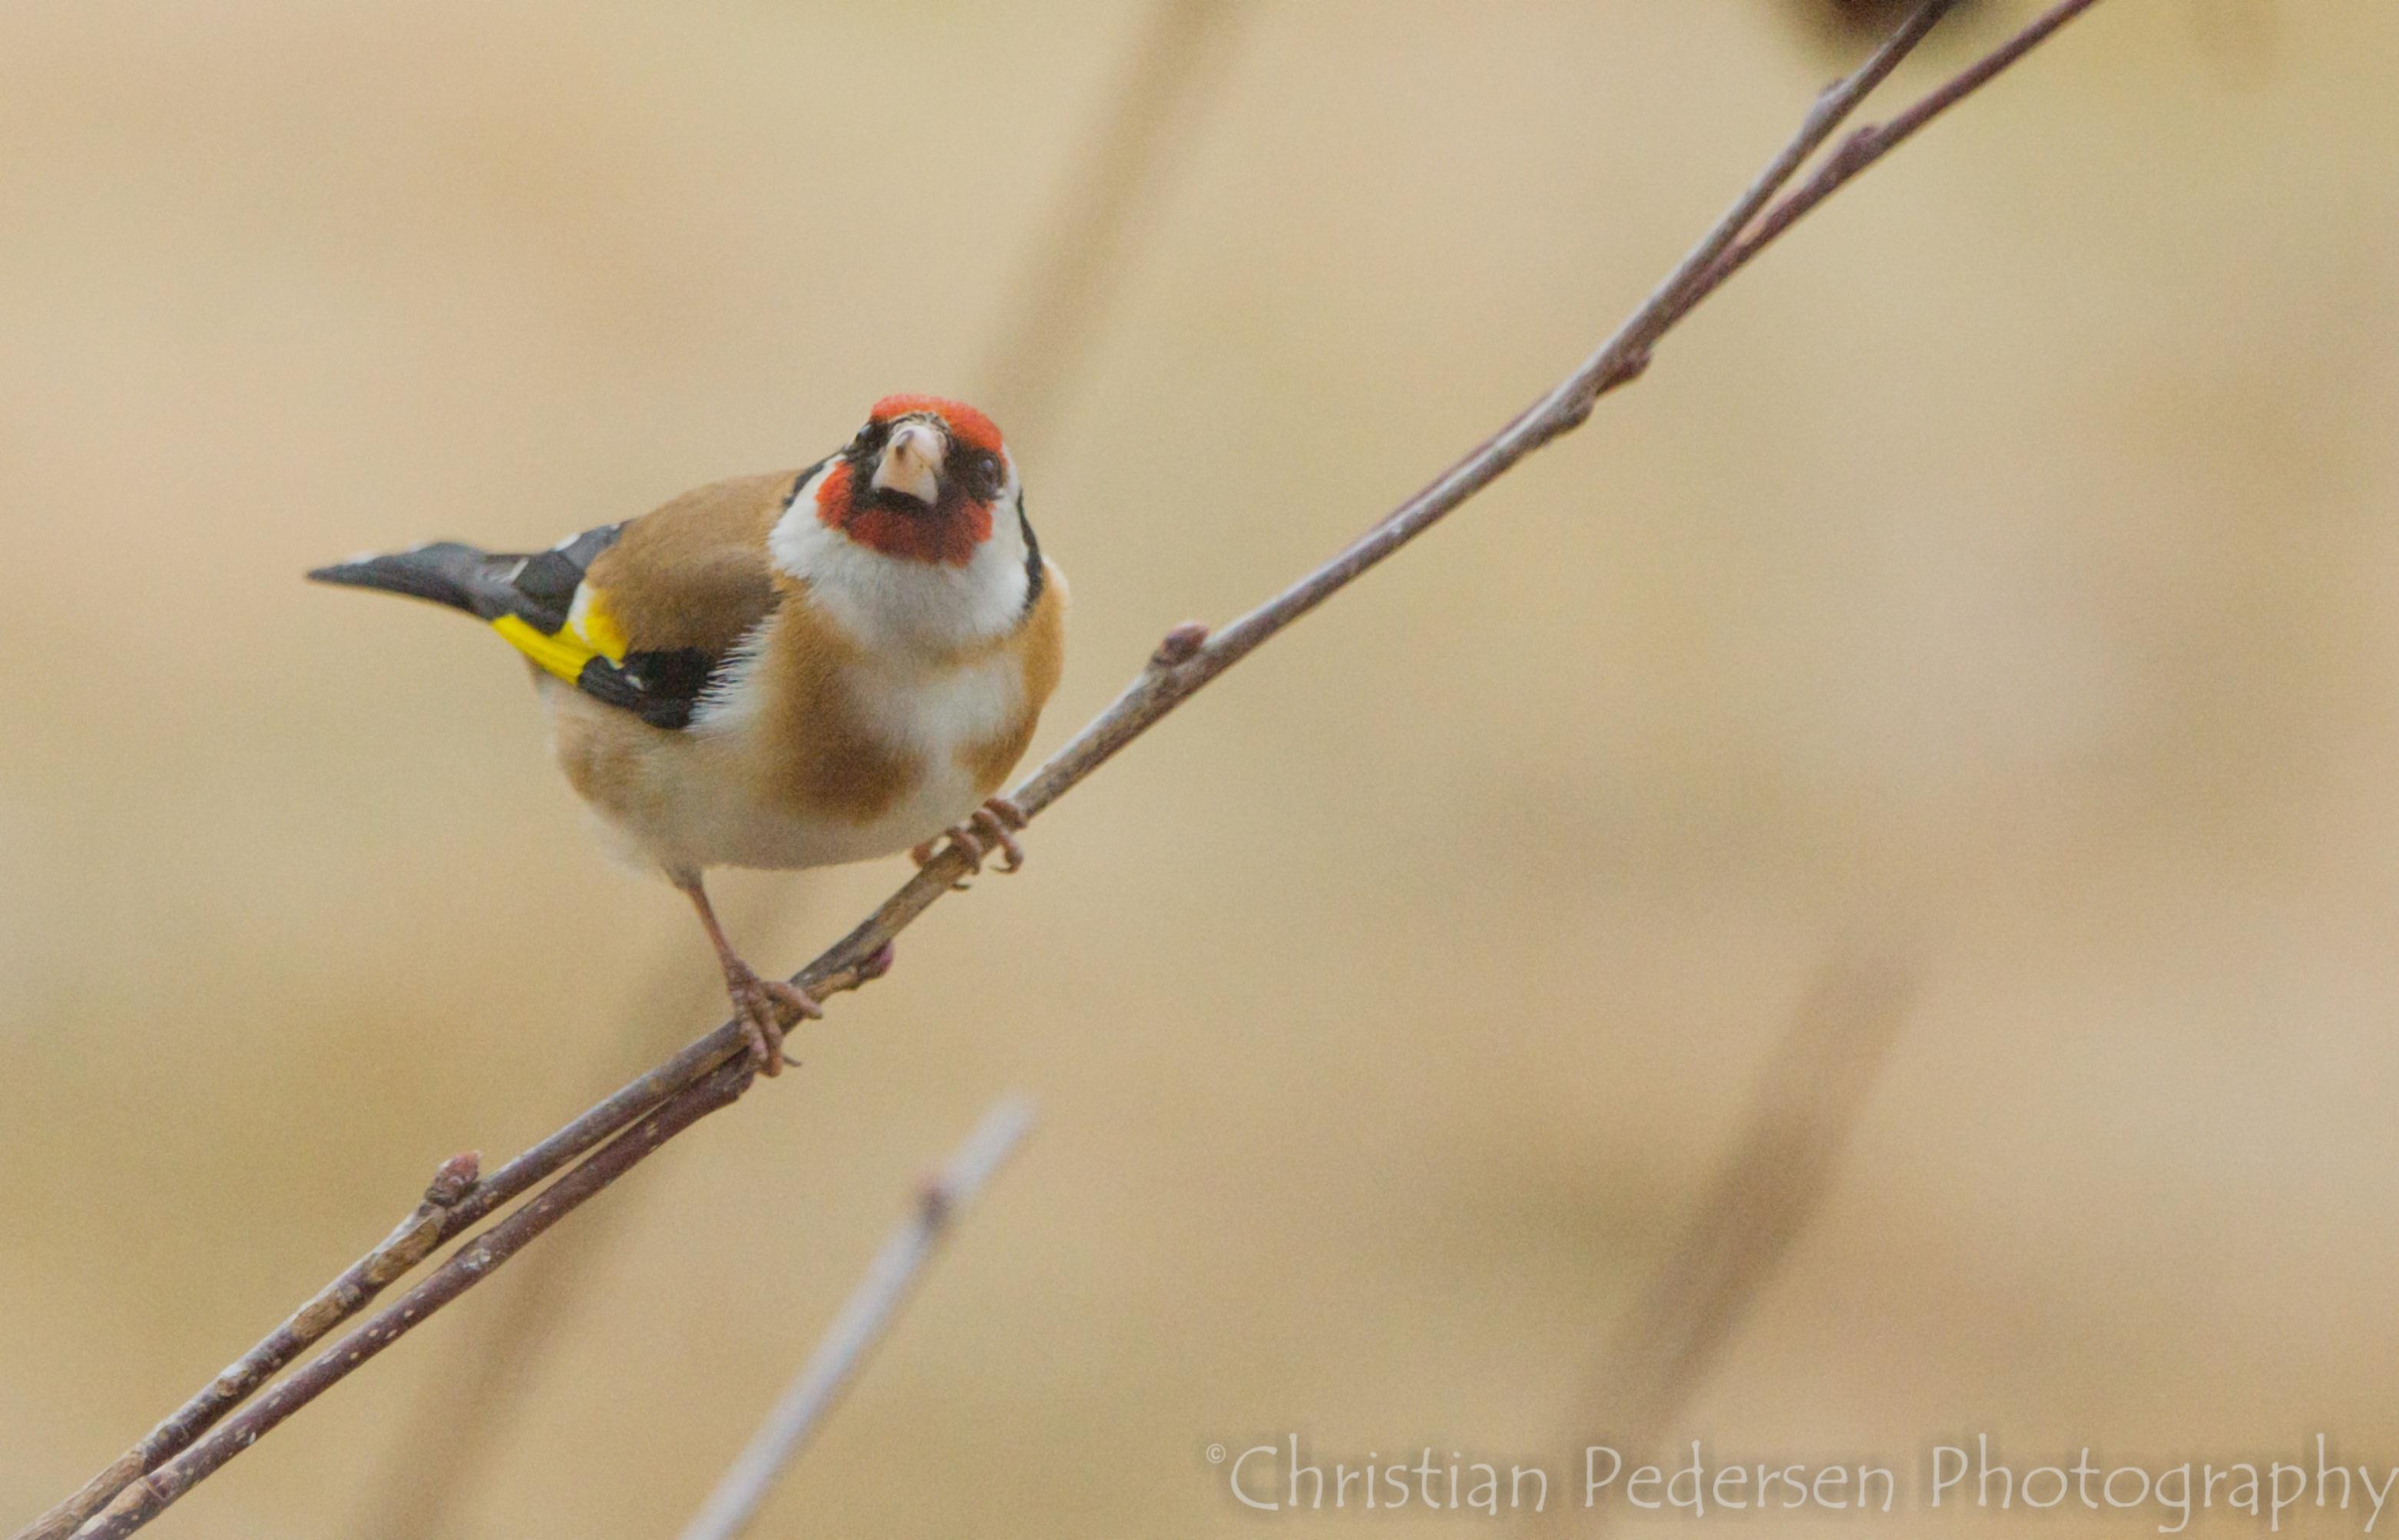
(868, 436)
(985, 478)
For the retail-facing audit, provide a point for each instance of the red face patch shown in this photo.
(967, 425)
(949, 533)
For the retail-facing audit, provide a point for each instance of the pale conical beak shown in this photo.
(911, 464)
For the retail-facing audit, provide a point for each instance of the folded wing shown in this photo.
(641, 616)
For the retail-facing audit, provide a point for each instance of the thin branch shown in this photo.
(864, 1318)
(149, 1495)
(1870, 144)
(488, 1358)
(411, 1241)
(337, 1302)
(692, 1082)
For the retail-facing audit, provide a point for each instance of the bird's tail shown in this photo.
(446, 572)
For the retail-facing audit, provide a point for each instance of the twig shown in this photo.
(1867, 144)
(1776, 1174)
(147, 1496)
(1180, 672)
(864, 1317)
(410, 1242)
(451, 1421)
(335, 1303)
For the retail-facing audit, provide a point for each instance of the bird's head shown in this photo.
(924, 480)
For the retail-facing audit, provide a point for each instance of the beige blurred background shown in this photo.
(1998, 571)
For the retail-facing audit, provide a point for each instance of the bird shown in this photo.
(786, 670)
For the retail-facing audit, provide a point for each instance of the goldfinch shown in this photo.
(787, 670)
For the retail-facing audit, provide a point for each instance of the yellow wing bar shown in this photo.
(590, 632)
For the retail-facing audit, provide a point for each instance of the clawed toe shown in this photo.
(991, 827)
(798, 1003)
(761, 1029)
(967, 843)
(988, 823)
(765, 1007)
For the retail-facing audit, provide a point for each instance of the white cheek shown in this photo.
(794, 540)
(889, 601)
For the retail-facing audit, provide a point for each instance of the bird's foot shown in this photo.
(992, 826)
(998, 818)
(767, 1007)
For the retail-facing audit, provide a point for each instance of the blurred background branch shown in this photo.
(1042, 344)
(697, 1080)
(1808, 1096)
(891, 1280)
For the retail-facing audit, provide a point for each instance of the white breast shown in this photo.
(939, 717)
(941, 712)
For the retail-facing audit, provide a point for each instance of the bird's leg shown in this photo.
(992, 824)
(763, 1006)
